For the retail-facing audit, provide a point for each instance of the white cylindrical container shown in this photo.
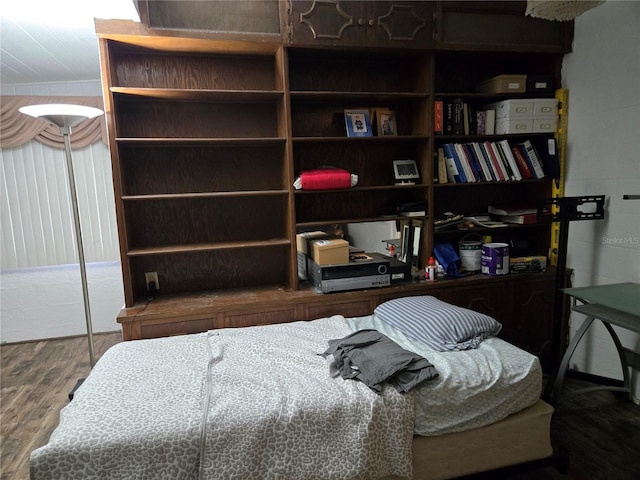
(470, 252)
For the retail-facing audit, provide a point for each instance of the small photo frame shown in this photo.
(358, 123)
(405, 171)
(386, 122)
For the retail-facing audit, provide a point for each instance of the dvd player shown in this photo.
(355, 275)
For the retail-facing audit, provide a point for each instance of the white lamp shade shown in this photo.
(60, 114)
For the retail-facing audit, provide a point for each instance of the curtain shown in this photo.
(559, 10)
(17, 128)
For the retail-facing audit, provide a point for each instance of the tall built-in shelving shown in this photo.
(200, 166)
(457, 75)
(208, 131)
(325, 83)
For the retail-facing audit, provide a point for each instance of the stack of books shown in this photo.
(513, 213)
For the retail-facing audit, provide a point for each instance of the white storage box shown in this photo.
(507, 125)
(512, 108)
(545, 107)
(544, 124)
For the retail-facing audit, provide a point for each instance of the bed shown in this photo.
(260, 402)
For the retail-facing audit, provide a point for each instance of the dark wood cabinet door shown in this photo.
(259, 19)
(533, 317)
(488, 299)
(498, 26)
(395, 24)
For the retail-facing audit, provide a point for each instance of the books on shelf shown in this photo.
(458, 116)
(438, 116)
(464, 162)
(447, 220)
(412, 209)
(496, 164)
(521, 219)
(531, 156)
(453, 164)
(454, 116)
(481, 119)
(512, 209)
(443, 174)
(523, 164)
(485, 221)
(485, 122)
(471, 162)
(508, 154)
(490, 122)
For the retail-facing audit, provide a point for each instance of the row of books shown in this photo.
(453, 116)
(488, 162)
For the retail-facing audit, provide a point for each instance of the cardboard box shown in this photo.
(503, 84)
(330, 251)
(302, 243)
(536, 263)
(304, 239)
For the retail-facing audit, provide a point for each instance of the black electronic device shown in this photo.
(355, 275)
(398, 270)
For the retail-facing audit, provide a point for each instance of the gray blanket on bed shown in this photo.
(374, 359)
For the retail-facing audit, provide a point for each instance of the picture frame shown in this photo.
(405, 171)
(358, 123)
(386, 125)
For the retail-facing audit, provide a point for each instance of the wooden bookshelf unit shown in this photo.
(208, 130)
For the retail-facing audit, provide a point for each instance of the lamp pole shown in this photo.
(66, 133)
(65, 117)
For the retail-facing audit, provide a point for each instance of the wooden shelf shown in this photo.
(199, 95)
(327, 95)
(200, 247)
(209, 141)
(334, 221)
(186, 196)
(357, 189)
(396, 139)
(497, 184)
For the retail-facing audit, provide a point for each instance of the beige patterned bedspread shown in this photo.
(269, 411)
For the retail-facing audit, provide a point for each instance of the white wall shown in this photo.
(603, 158)
(47, 302)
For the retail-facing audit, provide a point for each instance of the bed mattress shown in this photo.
(474, 388)
(253, 402)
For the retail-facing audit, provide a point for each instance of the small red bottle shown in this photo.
(431, 272)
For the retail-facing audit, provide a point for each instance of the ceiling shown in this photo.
(42, 43)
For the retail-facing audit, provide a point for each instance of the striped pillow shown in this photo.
(439, 325)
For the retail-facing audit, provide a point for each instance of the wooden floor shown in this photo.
(600, 431)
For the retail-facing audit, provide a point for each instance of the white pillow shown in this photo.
(439, 325)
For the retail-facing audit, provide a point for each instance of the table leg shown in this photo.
(623, 358)
(554, 396)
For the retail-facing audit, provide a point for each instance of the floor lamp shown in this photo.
(65, 117)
